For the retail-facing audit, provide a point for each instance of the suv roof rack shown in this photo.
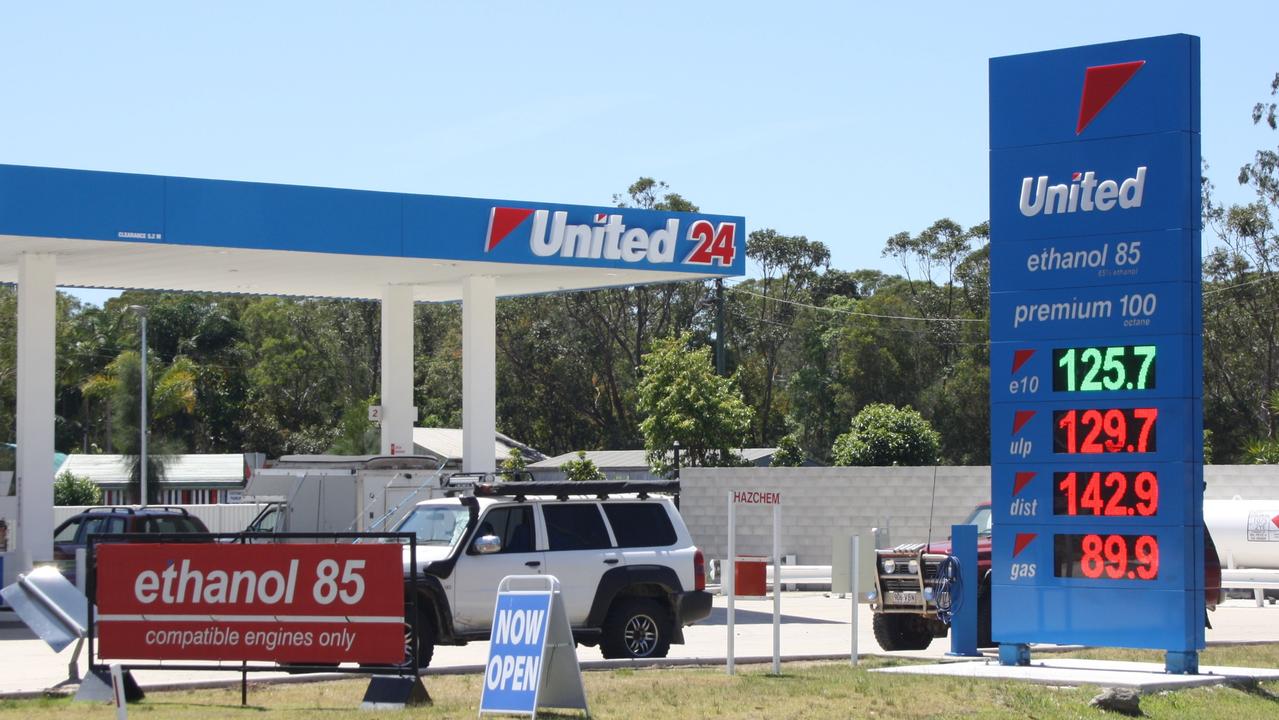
(174, 508)
(476, 484)
(124, 510)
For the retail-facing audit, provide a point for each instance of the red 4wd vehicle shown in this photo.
(906, 615)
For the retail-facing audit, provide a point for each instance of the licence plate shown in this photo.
(903, 597)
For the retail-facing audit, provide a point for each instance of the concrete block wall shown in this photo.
(823, 503)
(1250, 482)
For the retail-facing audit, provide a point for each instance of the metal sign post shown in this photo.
(729, 580)
(777, 589)
(753, 497)
(855, 542)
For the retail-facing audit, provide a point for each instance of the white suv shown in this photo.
(629, 573)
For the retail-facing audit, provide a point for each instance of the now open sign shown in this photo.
(515, 655)
(532, 662)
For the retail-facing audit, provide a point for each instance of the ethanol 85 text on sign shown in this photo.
(284, 603)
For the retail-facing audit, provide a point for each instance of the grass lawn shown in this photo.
(804, 690)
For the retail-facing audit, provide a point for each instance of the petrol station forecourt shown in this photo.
(79, 228)
(164, 233)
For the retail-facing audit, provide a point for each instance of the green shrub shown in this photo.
(69, 489)
(883, 434)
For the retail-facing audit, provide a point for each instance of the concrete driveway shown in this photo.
(813, 625)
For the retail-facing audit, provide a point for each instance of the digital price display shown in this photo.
(1096, 431)
(1109, 494)
(1106, 557)
(1095, 369)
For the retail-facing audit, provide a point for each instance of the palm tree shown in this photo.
(170, 394)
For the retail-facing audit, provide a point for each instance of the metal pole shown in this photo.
(117, 692)
(143, 424)
(728, 582)
(777, 589)
(852, 585)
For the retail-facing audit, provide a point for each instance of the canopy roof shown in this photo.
(114, 230)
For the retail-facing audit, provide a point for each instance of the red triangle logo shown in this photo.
(1275, 521)
(1021, 480)
(502, 221)
(1023, 539)
(1020, 418)
(1020, 357)
(1101, 84)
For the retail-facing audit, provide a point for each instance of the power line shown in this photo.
(854, 312)
(1239, 285)
(905, 331)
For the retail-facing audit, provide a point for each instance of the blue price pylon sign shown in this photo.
(1096, 340)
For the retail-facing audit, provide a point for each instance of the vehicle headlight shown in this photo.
(913, 567)
(889, 565)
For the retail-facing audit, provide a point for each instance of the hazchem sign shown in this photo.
(1096, 370)
(287, 603)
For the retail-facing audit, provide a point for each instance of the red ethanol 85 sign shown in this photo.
(300, 603)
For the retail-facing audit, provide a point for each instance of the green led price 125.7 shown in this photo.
(1096, 369)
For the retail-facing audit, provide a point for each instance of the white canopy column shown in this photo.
(37, 302)
(479, 373)
(398, 412)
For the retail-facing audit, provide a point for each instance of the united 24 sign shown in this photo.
(608, 237)
(301, 603)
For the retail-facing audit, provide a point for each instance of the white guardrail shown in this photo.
(1256, 580)
(225, 518)
(791, 574)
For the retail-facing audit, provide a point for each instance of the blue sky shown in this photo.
(841, 123)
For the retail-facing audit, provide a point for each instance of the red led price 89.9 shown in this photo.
(1113, 494)
(1117, 430)
(1108, 557)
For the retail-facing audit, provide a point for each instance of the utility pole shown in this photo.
(719, 327)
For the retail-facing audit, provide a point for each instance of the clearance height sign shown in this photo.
(295, 603)
(1096, 370)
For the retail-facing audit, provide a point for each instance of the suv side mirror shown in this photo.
(487, 544)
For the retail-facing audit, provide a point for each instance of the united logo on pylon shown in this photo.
(1101, 84)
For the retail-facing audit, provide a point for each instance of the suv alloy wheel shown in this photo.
(636, 628)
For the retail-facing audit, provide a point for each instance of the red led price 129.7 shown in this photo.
(1108, 557)
(1114, 494)
(1116, 430)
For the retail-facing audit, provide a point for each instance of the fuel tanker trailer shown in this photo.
(1246, 532)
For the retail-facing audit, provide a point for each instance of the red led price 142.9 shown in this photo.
(1116, 430)
(1114, 494)
(1109, 557)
